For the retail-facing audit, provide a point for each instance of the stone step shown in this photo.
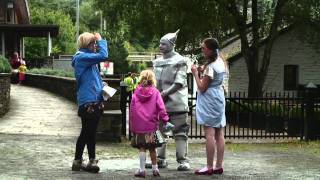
(109, 128)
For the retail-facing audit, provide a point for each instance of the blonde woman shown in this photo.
(89, 96)
(146, 110)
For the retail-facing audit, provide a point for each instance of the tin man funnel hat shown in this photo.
(171, 37)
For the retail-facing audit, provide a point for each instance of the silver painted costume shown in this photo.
(168, 72)
(171, 75)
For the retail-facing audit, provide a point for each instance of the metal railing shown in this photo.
(280, 115)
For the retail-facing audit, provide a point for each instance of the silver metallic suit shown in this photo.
(171, 75)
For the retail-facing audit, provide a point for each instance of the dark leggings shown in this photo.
(88, 135)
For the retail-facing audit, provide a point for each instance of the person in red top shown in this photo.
(15, 60)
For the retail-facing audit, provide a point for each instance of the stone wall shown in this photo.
(4, 93)
(66, 87)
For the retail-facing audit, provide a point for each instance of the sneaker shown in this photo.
(140, 173)
(156, 172)
(162, 163)
(92, 166)
(184, 166)
(77, 165)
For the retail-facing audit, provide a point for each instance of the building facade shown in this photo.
(295, 62)
(15, 25)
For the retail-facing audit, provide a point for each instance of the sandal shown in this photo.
(204, 172)
(140, 173)
(218, 171)
(155, 172)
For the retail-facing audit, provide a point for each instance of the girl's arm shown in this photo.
(202, 83)
(161, 109)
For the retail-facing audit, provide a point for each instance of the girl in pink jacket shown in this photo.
(146, 110)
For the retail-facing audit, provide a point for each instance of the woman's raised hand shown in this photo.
(97, 36)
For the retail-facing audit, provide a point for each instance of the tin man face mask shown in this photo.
(167, 42)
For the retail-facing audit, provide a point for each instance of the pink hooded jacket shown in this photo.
(146, 110)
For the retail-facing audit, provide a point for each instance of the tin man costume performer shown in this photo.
(171, 75)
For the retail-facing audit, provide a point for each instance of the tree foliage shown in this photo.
(253, 21)
(148, 20)
(4, 65)
(267, 19)
(66, 6)
(65, 42)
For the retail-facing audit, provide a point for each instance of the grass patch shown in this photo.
(312, 147)
(124, 149)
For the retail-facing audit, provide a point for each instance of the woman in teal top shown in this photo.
(210, 108)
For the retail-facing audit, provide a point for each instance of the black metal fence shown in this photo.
(275, 115)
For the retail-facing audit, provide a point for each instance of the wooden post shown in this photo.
(123, 106)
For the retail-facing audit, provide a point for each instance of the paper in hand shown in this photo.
(108, 92)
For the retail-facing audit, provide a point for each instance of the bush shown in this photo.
(52, 72)
(4, 65)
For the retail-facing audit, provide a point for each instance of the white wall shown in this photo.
(288, 49)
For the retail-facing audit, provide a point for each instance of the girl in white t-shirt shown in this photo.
(210, 107)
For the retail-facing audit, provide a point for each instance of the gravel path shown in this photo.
(37, 139)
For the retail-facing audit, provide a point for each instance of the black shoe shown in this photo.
(92, 166)
(77, 165)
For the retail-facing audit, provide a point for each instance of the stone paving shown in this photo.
(34, 111)
(38, 135)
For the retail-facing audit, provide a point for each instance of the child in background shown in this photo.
(22, 71)
(146, 110)
(136, 80)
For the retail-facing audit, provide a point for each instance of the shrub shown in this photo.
(52, 72)
(4, 65)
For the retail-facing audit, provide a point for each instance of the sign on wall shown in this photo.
(106, 68)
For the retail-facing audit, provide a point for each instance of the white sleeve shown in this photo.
(209, 72)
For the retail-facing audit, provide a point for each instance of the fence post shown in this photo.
(123, 107)
(309, 120)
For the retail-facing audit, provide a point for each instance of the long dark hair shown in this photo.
(213, 45)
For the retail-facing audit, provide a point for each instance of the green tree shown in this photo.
(66, 6)
(64, 43)
(267, 19)
(4, 65)
(253, 21)
(117, 51)
(148, 20)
